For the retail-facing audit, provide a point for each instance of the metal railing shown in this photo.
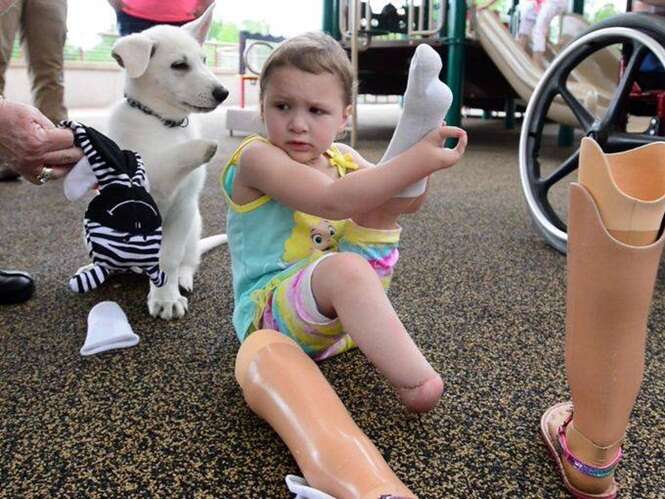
(360, 29)
(410, 20)
(222, 56)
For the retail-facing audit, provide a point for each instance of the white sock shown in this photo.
(426, 103)
(108, 329)
(80, 180)
(298, 486)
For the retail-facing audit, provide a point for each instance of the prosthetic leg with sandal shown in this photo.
(332, 452)
(614, 250)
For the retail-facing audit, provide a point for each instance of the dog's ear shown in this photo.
(133, 53)
(199, 28)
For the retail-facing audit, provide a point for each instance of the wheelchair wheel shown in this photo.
(601, 110)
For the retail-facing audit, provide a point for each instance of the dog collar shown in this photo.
(145, 109)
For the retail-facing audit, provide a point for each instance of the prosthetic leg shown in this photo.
(282, 385)
(615, 214)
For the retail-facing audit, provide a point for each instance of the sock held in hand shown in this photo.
(108, 329)
(426, 103)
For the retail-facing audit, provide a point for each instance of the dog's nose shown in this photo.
(220, 94)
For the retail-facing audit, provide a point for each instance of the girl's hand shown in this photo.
(444, 157)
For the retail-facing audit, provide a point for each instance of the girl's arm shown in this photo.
(269, 170)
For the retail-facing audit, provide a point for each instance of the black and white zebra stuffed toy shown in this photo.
(123, 227)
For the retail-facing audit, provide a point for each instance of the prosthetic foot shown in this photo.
(282, 385)
(614, 250)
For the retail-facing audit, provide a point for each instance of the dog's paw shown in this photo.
(172, 306)
(210, 152)
(204, 150)
(186, 278)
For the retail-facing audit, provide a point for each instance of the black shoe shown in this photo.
(15, 287)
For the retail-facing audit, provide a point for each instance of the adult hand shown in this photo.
(31, 142)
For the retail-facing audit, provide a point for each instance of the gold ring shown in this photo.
(45, 175)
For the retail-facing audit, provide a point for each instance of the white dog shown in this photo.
(166, 80)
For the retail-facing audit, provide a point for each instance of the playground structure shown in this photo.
(381, 45)
(253, 50)
(595, 82)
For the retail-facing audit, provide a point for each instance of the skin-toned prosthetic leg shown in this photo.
(282, 385)
(628, 188)
(615, 213)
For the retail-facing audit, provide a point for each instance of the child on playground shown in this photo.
(536, 16)
(312, 225)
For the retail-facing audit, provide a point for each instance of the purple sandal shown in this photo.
(553, 430)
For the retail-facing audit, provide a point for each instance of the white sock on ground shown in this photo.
(298, 486)
(426, 103)
(108, 329)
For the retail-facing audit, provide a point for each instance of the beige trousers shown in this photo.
(43, 28)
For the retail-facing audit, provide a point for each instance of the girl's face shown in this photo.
(303, 112)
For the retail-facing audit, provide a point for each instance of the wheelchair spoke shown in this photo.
(621, 141)
(625, 83)
(584, 117)
(567, 167)
(552, 215)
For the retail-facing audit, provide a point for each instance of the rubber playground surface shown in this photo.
(476, 286)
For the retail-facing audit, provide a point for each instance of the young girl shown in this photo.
(313, 236)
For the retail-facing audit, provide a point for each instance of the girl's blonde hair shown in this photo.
(314, 52)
